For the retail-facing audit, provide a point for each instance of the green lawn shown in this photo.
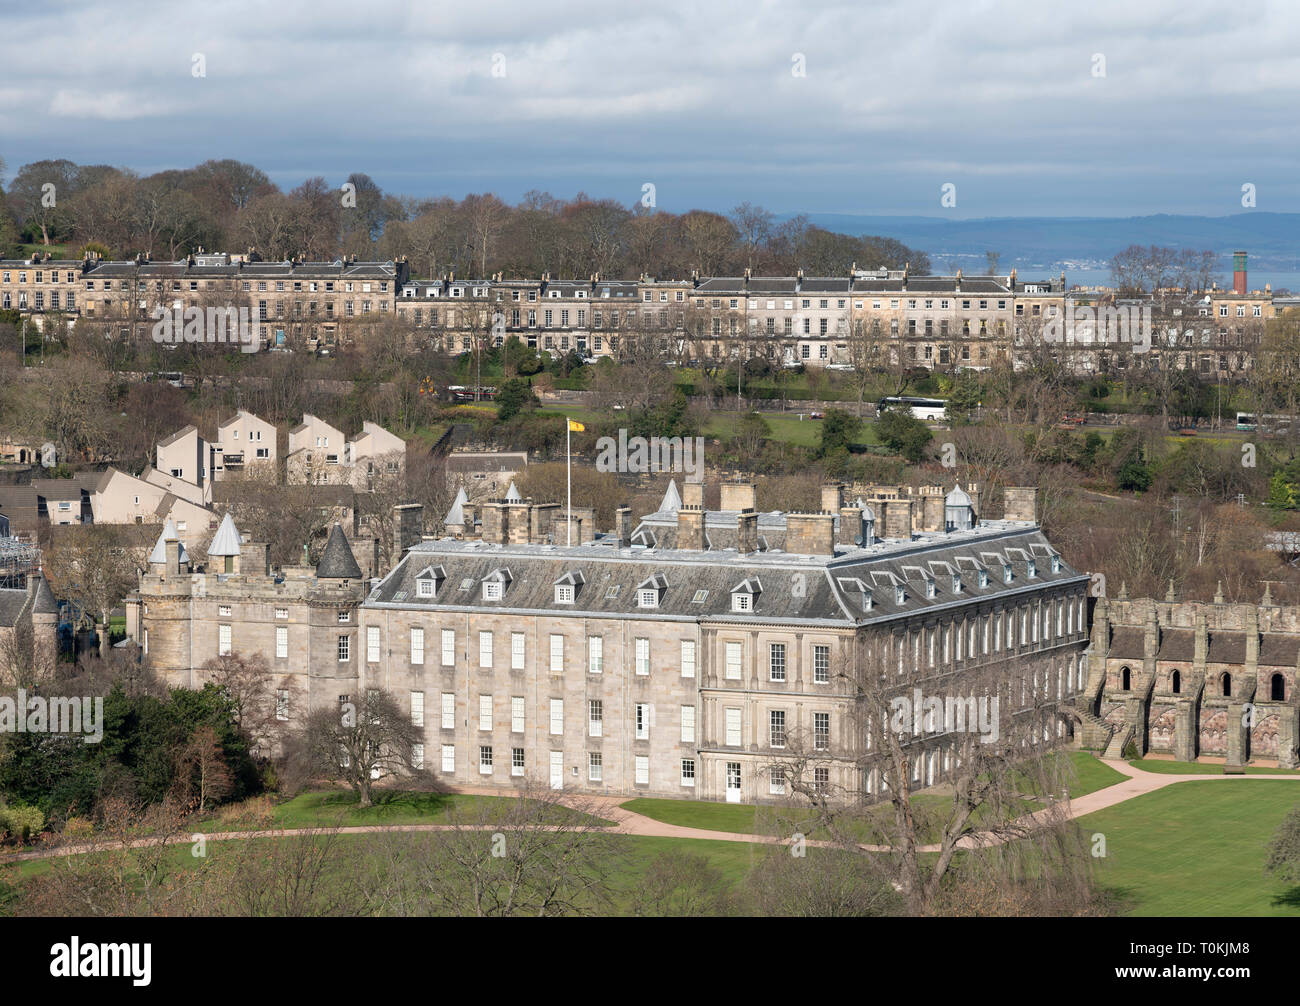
(1197, 848)
(1200, 768)
(1091, 774)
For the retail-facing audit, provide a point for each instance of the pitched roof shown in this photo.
(512, 494)
(337, 561)
(226, 540)
(672, 500)
(45, 603)
(456, 515)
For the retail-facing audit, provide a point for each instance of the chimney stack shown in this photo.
(898, 519)
(254, 558)
(832, 496)
(1239, 272)
(623, 526)
(690, 527)
(738, 496)
(747, 531)
(810, 533)
(850, 526)
(1020, 503)
(173, 548)
(408, 528)
(693, 494)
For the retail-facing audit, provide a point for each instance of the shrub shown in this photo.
(21, 823)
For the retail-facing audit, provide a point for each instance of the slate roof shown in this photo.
(45, 603)
(337, 561)
(11, 605)
(795, 589)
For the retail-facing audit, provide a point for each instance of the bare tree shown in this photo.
(364, 741)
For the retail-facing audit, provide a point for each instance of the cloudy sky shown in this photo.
(700, 99)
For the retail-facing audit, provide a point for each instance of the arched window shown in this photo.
(1125, 681)
(1277, 688)
(1176, 684)
(1227, 685)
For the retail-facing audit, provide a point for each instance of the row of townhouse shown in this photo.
(880, 318)
(318, 454)
(700, 653)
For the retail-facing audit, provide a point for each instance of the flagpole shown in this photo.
(568, 471)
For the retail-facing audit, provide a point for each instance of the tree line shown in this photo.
(231, 205)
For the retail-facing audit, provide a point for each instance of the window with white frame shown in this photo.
(647, 598)
(449, 758)
(642, 713)
(688, 772)
(223, 610)
(821, 665)
(282, 704)
(223, 640)
(688, 724)
(564, 593)
(642, 655)
(424, 587)
(595, 766)
(448, 647)
(345, 649)
(741, 601)
(595, 654)
(557, 716)
(345, 617)
(516, 761)
(516, 714)
(642, 770)
(492, 590)
(776, 728)
(732, 726)
(776, 780)
(417, 709)
(372, 644)
(688, 658)
(417, 646)
(485, 712)
(595, 718)
(417, 756)
(485, 649)
(448, 710)
(281, 642)
(776, 661)
(821, 731)
(557, 654)
(733, 652)
(485, 759)
(516, 651)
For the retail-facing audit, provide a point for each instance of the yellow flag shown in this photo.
(575, 427)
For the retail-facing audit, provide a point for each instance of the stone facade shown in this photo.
(1195, 680)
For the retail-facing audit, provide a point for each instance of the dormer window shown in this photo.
(427, 580)
(956, 584)
(744, 593)
(1031, 569)
(983, 578)
(1056, 564)
(649, 592)
(494, 584)
(567, 586)
(900, 594)
(1006, 572)
(929, 588)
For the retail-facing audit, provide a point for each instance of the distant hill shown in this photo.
(1272, 239)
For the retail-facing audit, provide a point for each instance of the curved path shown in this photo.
(1138, 782)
